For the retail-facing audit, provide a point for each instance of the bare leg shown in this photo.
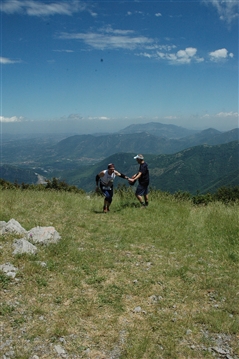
(140, 199)
(146, 199)
(106, 206)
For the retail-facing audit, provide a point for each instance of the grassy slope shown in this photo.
(106, 265)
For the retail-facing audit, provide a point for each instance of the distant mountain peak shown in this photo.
(159, 129)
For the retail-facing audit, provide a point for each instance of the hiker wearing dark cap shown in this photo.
(106, 178)
(142, 176)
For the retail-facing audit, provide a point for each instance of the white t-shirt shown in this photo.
(108, 179)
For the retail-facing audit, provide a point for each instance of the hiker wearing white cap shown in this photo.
(106, 178)
(142, 176)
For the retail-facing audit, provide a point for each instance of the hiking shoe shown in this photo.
(105, 209)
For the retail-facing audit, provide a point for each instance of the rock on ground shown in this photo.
(23, 246)
(43, 235)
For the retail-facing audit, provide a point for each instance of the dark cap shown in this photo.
(111, 166)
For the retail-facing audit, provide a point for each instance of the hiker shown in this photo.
(106, 178)
(143, 177)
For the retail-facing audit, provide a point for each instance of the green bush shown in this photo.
(53, 184)
(227, 194)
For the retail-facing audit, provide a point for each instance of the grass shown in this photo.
(178, 263)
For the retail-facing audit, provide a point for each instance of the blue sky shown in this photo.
(91, 66)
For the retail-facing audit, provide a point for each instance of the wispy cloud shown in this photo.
(130, 13)
(11, 119)
(220, 55)
(227, 9)
(6, 61)
(40, 8)
(78, 117)
(67, 51)
(101, 118)
(110, 39)
(228, 114)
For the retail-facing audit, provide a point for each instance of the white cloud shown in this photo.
(110, 39)
(130, 13)
(181, 57)
(11, 119)
(158, 14)
(146, 54)
(185, 56)
(40, 8)
(227, 9)
(110, 30)
(227, 114)
(170, 117)
(188, 52)
(104, 118)
(78, 117)
(6, 61)
(11, 7)
(68, 51)
(223, 121)
(221, 54)
(101, 118)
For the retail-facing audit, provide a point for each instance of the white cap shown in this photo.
(140, 157)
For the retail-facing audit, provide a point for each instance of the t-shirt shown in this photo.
(107, 180)
(144, 178)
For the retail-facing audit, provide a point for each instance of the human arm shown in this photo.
(136, 176)
(121, 175)
(97, 178)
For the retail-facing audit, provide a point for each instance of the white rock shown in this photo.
(137, 309)
(23, 246)
(42, 264)
(221, 351)
(2, 227)
(9, 269)
(59, 350)
(43, 235)
(14, 226)
(155, 298)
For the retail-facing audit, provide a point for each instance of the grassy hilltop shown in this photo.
(134, 283)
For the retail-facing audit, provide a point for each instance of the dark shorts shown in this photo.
(141, 190)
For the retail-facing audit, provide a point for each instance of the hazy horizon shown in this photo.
(84, 127)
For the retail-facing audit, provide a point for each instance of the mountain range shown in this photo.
(200, 168)
(90, 146)
(179, 159)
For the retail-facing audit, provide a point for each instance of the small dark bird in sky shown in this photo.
(101, 60)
